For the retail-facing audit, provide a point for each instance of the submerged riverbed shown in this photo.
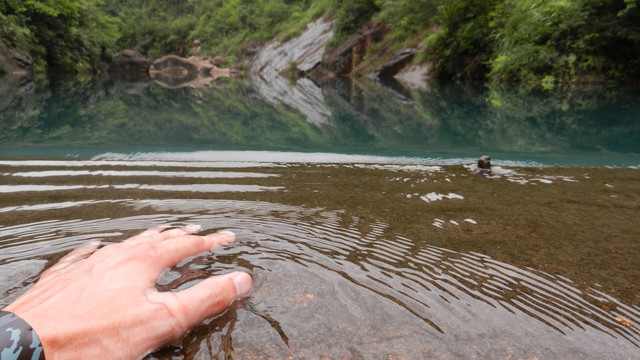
(358, 259)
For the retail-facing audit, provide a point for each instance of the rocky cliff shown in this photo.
(290, 72)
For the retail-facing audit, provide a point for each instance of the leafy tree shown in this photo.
(409, 17)
(464, 45)
(565, 40)
(351, 15)
(495, 40)
(69, 35)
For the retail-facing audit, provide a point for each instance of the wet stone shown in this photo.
(484, 166)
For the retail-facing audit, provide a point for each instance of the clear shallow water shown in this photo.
(324, 288)
(327, 284)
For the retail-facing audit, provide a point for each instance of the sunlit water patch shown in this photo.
(200, 188)
(329, 285)
(276, 157)
(181, 174)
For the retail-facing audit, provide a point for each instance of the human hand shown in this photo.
(103, 304)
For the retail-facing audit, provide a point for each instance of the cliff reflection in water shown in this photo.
(567, 126)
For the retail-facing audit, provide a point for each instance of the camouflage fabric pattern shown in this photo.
(18, 341)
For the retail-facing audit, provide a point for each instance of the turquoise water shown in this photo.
(450, 124)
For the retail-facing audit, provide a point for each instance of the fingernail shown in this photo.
(193, 229)
(243, 283)
(230, 235)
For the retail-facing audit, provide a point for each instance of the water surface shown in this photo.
(356, 210)
(594, 126)
(335, 280)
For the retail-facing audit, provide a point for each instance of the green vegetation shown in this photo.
(534, 41)
(62, 35)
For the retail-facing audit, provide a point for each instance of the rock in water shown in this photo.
(484, 166)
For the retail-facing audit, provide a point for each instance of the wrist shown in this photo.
(18, 340)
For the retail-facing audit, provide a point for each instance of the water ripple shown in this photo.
(319, 277)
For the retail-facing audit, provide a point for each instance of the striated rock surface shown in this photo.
(414, 76)
(14, 62)
(303, 53)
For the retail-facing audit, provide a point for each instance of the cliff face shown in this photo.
(304, 53)
(275, 68)
(14, 62)
(16, 77)
(346, 59)
(307, 55)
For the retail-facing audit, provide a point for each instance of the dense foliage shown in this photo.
(60, 34)
(535, 41)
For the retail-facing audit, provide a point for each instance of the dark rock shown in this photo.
(22, 59)
(14, 62)
(12, 88)
(342, 60)
(484, 165)
(129, 61)
(390, 68)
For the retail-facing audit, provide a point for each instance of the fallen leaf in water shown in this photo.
(301, 300)
(622, 321)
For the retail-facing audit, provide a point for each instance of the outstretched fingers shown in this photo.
(162, 233)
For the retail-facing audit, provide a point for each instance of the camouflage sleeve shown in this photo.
(18, 341)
